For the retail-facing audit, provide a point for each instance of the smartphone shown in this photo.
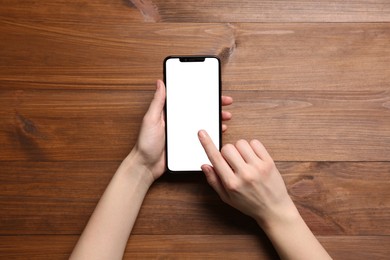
(193, 97)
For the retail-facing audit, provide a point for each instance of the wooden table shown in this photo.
(310, 79)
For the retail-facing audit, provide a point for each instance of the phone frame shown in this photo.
(193, 58)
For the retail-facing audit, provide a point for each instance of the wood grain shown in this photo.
(65, 11)
(59, 124)
(259, 11)
(58, 197)
(310, 79)
(324, 57)
(192, 247)
(248, 247)
(272, 11)
(66, 124)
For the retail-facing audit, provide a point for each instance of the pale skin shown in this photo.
(244, 175)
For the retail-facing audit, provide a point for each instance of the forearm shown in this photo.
(107, 231)
(293, 239)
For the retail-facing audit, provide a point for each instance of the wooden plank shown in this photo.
(193, 247)
(357, 247)
(270, 11)
(200, 247)
(249, 247)
(199, 11)
(314, 125)
(336, 198)
(65, 11)
(60, 124)
(328, 57)
(37, 247)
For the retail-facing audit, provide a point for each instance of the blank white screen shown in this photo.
(192, 104)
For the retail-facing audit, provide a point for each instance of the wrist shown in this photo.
(134, 166)
(280, 217)
(292, 238)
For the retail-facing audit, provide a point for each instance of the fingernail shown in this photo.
(205, 169)
(158, 85)
(202, 134)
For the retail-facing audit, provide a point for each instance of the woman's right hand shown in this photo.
(245, 177)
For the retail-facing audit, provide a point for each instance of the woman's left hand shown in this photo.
(150, 147)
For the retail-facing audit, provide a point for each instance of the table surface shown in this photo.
(310, 79)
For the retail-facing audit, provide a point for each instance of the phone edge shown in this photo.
(165, 106)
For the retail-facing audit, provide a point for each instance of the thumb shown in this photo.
(157, 105)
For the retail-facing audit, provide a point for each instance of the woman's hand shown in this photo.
(150, 147)
(245, 177)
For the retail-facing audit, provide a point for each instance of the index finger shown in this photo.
(220, 165)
